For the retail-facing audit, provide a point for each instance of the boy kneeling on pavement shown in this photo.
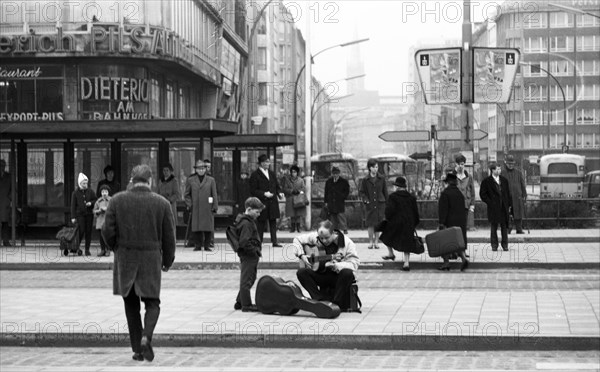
(249, 252)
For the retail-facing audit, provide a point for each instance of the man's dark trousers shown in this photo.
(494, 235)
(262, 225)
(134, 319)
(316, 284)
(249, 267)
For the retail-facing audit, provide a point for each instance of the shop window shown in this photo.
(155, 110)
(45, 182)
(169, 100)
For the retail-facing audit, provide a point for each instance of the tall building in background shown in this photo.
(566, 45)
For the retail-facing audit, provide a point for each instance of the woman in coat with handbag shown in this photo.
(373, 192)
(295, 203)
(451, 211)
(402, 216)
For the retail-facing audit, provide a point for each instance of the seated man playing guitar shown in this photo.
(328, 261)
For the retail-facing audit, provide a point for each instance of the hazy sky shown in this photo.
(393, 26)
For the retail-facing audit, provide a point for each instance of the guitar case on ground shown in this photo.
(275, 295)
(445, 241)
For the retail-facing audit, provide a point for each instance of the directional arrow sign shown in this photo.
(455, 135)
(405, 136)
(478, 135)
(448, 135)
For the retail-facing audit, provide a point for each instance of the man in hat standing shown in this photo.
(200, 196)
(337, 190)
(518, 192)
(142, 246)
(264, 186)
(495, 193)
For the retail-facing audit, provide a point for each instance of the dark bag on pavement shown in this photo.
(275, 295)
(419, 245)
(445, 241)
(324, 212)
(299, 201)
(355, 302)
(69, 240)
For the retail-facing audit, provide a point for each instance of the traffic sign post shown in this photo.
(455, 135)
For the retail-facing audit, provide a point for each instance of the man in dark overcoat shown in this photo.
(337, 190)
(451, 212)
(139, 229)
(264, 186)
(495, 193)
(518, 192)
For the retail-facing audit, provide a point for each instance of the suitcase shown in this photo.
(69, 240)
(275, 295)
(445, 241)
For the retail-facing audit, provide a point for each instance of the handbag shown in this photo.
(419, 245)
(381, 225)
(299, 201)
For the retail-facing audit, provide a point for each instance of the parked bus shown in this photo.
(321, 168)
(394, 165)
(561, 176)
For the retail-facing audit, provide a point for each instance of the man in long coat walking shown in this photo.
(337, 190)
(200, 196)
(143, 247)
(264, 186)
(495, 192)
(518, 192)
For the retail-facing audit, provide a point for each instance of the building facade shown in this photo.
(97, 83)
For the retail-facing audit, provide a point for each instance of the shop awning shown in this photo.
(118, 129)
(253, 141)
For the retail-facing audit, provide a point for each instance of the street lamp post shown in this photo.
(296, 89)
(565, 147)
(314, 113)
(337, 123)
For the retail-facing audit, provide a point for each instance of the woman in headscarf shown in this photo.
(294, 185)
(82, 210)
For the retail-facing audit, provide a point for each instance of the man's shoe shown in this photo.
(494, 249)
(147, 351)
(237, 306)
(249, 309)
(464, 265)
(6, 243)
(212, 244)
(87, 252)
(208, 249)
(520, 232)
(277, 245)
(197, 248)
(505, 249)
(138, 356)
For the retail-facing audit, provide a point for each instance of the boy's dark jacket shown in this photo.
(248, 236)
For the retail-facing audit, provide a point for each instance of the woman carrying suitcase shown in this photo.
(451, 211)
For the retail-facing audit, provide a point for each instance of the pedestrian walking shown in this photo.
(109, 179)
(168, 187)
(402, 215)
(373, 192)
(208, 165)
(5, 203)
(337, 190)
(518, 192)
(466, 186)
(294, 185)
(82, 207)
(143, 247)
(451, 212)
(495, 193)
(201, 198)
(249, 252)
(264, 186)
(100, 208)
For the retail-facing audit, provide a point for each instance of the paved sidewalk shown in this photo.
(391, 319)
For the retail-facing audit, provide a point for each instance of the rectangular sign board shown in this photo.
(494, 71)
(440, 75)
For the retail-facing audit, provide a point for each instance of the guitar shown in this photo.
(317, 257)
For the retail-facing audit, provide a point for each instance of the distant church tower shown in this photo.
(355, 66)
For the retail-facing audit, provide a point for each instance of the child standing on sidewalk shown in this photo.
(100, 213)
(249, 252)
